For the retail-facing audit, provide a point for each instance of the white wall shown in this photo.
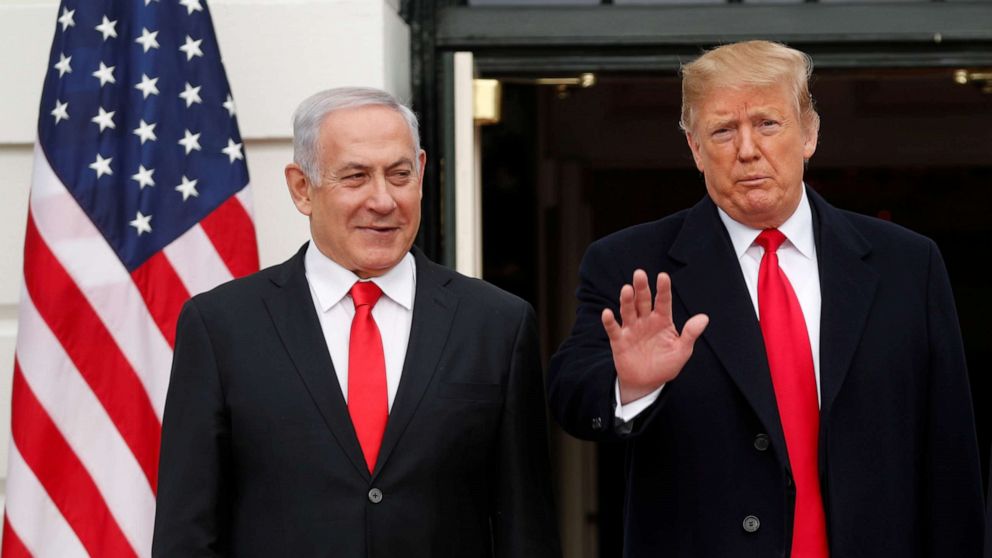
(277, 52)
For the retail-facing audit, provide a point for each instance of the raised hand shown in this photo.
(647, 349)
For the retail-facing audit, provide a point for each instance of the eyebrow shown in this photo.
(363, 167)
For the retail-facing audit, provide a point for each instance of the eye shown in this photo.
(353, 179)
(721, 134)
(401, 176)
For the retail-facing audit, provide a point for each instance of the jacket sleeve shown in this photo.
(524, 522)
(582, 376)
(192, 508)
(953, 482)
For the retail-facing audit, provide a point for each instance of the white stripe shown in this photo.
(196, 261)
(84, 423)
(33, 515)
(103, 279)
(244, 196)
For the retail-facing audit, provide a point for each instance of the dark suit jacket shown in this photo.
(898, 455)
(259, 456)
(988, 515)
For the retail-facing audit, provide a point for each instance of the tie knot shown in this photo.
(770, 239)
(365, 293)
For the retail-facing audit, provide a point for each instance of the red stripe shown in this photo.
(163, 291)
(232, 232)
(64, 477)
(93, 351)
(12, 545)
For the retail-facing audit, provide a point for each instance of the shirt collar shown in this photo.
(798, 229)
(330, 282)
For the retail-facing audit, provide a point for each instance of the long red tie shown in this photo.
(791, 363)
(367, 400)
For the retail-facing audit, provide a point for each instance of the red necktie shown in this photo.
(791, 363)
(368, 403)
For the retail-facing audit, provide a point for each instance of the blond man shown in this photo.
(790, 376)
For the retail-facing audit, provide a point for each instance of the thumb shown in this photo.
(694, 327)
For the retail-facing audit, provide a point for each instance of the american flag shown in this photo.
(139, 199)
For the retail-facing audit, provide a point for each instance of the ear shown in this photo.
(694, 147)
(422, 165)
(811, 134)
(299, 188)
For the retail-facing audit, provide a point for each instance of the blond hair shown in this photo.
(749, 64)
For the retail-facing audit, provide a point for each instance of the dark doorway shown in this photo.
(910, 146)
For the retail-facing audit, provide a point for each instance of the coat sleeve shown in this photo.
(524, 523)
(953, 482)
(192, 504)
(582, 376)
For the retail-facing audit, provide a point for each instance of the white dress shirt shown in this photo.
(330, 284)
(796, 258)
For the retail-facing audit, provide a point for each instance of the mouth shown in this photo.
(378, 230)
(752, 181)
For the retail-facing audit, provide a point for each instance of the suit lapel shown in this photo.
(847, 289)
(295, 319)
(711, 282)
(433, 312)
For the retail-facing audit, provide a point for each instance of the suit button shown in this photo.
(375, 495)
(751, 524)
(597, 423)
(761, 442)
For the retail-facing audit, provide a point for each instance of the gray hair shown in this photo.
(314, 109)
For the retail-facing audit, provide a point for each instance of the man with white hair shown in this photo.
(795, 384)
(357, 400)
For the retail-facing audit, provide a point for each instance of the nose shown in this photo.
(380, 198)
(747, 149)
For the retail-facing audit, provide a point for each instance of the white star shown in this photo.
(147, 39)
(102, 166)
(191, 6)
(66, 18)
(229, 105)
(191, 95)
(191, 142)
(142, 223)
(108, 28)
(233, 150)
(145, 132)
(61, 111)
(149, 1)
(147, 86)
(63, 64)
(187, 188)
(191, 48)
(144, 177)
(104, 119)
(105, 74)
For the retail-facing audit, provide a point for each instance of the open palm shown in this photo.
(648, 350)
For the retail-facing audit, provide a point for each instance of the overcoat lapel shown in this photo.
(847, 289)
(295, 319)
(433, 313)
(711, 282)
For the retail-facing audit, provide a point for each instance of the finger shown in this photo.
(693, 328)
(627, 311)
(610, 325)
(663, 298)
(642, 293)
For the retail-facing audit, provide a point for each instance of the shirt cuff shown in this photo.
(629, 412)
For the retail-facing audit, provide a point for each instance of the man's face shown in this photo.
(751, 147)
(365, 213)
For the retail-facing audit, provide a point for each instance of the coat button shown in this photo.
(761, 442)
(597, 423)
(375, 495)
(751, 524)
